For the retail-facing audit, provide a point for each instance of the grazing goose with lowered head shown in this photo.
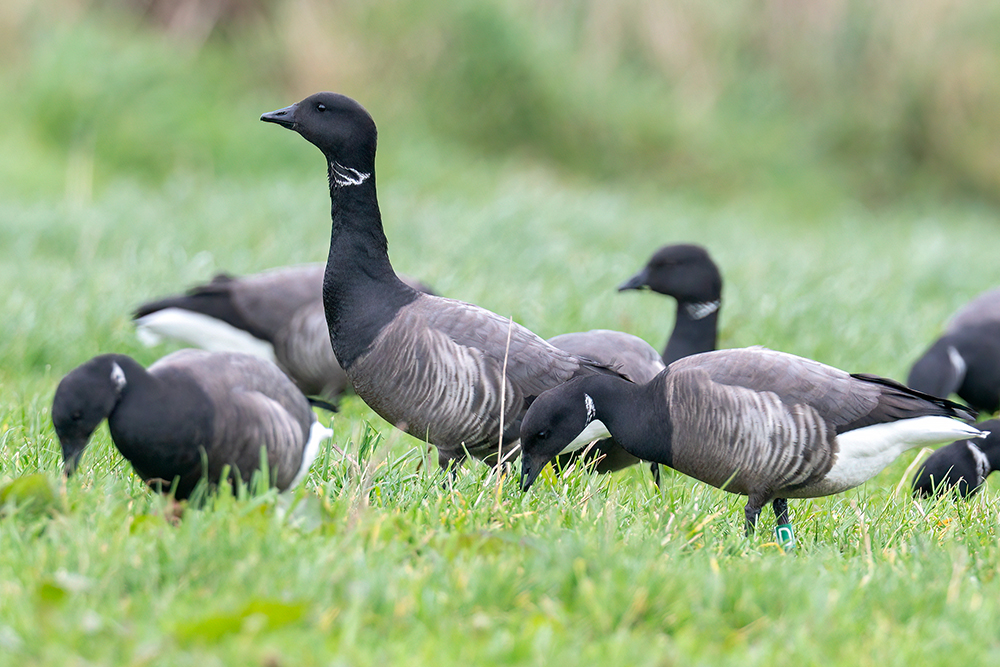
(190, 406)
(961, 467)
(450, 373)
(966, 359)
(275, 315)
(634, 358)
(687, 273)
(755, 422)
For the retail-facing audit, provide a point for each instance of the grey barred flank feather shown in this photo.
(740, 426)
(444, 361)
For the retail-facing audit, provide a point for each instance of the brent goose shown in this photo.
(190, 406)
(752, 421)
(636, 359)
(962, 466)
(687, 273)
(966, 359)
(450, 373)
(276, 315)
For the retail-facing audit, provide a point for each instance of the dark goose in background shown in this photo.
(687, 273)
(961, 467)
(756, 422)
(436, 368)
(276, 315)
(966, 359)
(225, 406)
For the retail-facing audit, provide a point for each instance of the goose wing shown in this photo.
(254, 405)
(624, 352)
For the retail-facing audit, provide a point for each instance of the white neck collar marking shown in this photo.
(342, 175)
(591, 410)
(118, 376)
(699, 311)
(982, 462)
(957, 362)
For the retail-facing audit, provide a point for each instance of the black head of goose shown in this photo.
(450, 373)
(687, 273)
(961, 467)
(276, 315)
(752, 421)
(223, 407)
(636, 359)
(966, 359)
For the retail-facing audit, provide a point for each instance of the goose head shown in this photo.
(683, 271)
(83, 399)
(337, 125)
(553, 421)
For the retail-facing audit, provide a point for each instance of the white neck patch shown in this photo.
(342, 175)
(698, 311)
(957, 362)
(118, 376)
(982, 463)
(591, 410)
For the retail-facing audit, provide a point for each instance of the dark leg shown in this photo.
(780, 506)
(655, 469)
(783, 529)
(752, 511)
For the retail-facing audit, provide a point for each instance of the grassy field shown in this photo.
(377, 562)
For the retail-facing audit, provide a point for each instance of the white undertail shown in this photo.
(200, 330)
(865, 452)
(317, 434)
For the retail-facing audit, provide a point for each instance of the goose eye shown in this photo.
(542, 435)
(320, 107)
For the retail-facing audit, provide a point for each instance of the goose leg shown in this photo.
(655, 469)
(752, 511)
(783, 529)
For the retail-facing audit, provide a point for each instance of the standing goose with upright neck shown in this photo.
(442, 370)
(687, 273)
(755, 422)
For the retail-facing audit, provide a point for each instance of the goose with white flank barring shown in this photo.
(966, 359)
(687, 273)
(752, 421)
(275, 315)
(962, 466)
(450, 373)
(190, 407)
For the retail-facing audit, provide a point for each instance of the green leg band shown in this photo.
(786, 538)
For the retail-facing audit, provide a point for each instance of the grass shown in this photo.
(379, 562)
(382, 563)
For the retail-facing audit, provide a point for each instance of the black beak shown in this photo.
(284, 117)
(528, 473)
(638, 281)
(71, 458)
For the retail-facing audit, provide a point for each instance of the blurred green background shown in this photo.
(803, 103)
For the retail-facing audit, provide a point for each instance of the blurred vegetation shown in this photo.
(827, 99)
